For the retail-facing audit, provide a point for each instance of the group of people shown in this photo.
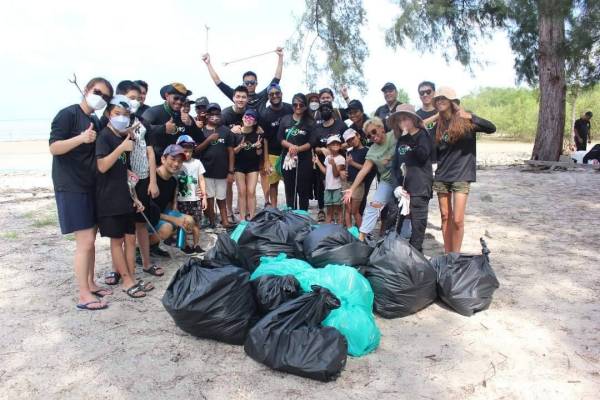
(146, 175)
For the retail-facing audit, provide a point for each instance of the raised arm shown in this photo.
(225, 88)
(279, 69)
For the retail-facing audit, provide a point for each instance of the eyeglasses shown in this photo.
(105, 97)
(178, 97)
(425, 92)
(299, 105)
(252, 117)
(275, 94)
(373, 132)
(249, 83)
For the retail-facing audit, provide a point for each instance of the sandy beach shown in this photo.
(539, 339)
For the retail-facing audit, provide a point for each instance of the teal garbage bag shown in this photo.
(237, 232)
(354, 231)
(354, 319)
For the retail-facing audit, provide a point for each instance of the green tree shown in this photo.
(402, 96)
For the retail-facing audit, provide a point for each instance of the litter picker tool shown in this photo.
(248, 58)
(74, 82)
(206, 27)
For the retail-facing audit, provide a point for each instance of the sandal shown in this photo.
(85, 306)
(145, 286)
(132, 291)
(99, 292)
(321, 216)
(115, 276)
(154, 270)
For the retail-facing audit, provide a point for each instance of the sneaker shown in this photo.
(170, 241)
(155, 250)
(188, 250)
(198, 250)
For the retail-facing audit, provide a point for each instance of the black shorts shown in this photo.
(191, 208)
(76, 211)
(247, 167)
(117, 226)
(151, 210)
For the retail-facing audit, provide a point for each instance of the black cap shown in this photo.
(388, 86)
(355, 105)
(202, 102)
(174, 88)
(326, 90)
(213, 106)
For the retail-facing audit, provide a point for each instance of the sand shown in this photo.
(539, 339)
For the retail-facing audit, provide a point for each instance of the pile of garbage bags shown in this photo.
(301, 297)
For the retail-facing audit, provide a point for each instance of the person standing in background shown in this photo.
(582, 130)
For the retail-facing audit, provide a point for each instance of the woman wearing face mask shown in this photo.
(249, 155)
(116, 208)
(313, 103)
(72, 145)
(413, 149)
(455, 138)
(294, 134)
(379, 158)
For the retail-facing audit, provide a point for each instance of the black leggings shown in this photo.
(419, 210)
(304, 185)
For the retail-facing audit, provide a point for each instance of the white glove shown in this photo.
(289, 162)
(403, 200)
(434, 167)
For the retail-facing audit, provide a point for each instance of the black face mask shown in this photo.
(326, 114)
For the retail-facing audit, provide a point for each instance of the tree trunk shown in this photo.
(553, 89)
(574, 96)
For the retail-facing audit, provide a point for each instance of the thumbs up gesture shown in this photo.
(170, 127)
(127, 144)
(89, 135)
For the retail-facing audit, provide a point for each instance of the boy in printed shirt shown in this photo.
(191, 191)
(335, 164)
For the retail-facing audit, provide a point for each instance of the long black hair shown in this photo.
(306, 115)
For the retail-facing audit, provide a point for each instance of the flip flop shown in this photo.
(84, 306)
(134, 290)
(98, 294)
(153, 270)
(114, 275)
(145, 286)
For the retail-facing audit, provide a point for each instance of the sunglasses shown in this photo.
(299, 105)
(105, 97)
(178, 97)
(248, 116)
(425, 92)
(249, 83)
(275, 94)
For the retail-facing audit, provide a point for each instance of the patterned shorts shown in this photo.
(191, 208)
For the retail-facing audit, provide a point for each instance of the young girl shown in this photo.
(355, 158)
(191, 191)
(456, 148)
(414, 150)
(249, 155)
(116, 209)
(72, 145)
(335, 164)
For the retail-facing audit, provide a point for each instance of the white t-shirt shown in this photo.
(187, 180)
(331, 182)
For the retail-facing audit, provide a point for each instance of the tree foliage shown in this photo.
(332, 28)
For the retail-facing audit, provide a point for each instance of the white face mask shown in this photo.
(314, 105)
(120, 122)
(135, 105)
(95, 102)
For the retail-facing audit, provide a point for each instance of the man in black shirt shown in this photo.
(231, 116)
(255, 100)
(165, 119)
(582, 131)
(143, 92)
(390, 94)
(358, 117)
(428, 113)
(269, 122)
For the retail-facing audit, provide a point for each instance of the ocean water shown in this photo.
(24, 161)
(24, 129)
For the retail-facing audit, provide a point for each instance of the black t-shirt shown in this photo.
(256, 100)
(166, 190)
(415, 151)
(359, 156)
(297, 133)
(430, 129)
(158, 137)
(582, 127)
(112, 190)
(321, 133)
(247, 156)
(269, 122)
(215, 157)
(74, 171)
(457, 161)
(230, 118)
(384, 113)
(141, 110)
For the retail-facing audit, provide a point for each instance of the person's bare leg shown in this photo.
(223, 211)
(210, 210)
(264, 185)
(196, 235)
(273, 192)
(240, 181)
(337, 214)
(458, 220)
(130, 254)
(445, 202)
(119, 260)
(92, 272)
(229, 198)
(348, 216)
(328, 214)
(251, 181)
(85, 246)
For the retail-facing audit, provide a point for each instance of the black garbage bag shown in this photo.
(402, 279)
(268, 214)
(224, 252)
(291, 338)
(271, 291)
(333, 244)
(466, 283)
(215, 303)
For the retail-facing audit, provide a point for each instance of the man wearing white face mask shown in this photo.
(72, 144)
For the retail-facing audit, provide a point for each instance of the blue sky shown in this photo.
(44, 42)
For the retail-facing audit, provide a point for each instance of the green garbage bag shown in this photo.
(354, 231)
(354, 319)
(237, 232)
